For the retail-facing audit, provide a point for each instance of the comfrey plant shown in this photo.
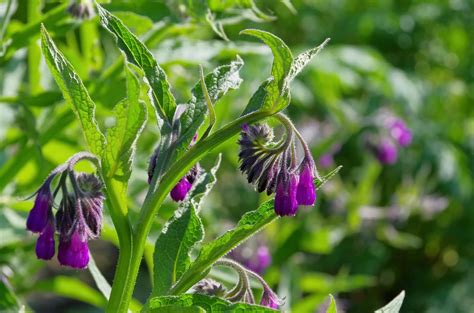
(177, 278)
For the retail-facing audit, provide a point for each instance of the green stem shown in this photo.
(126, 272)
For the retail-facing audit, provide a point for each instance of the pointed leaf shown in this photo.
(130, 119)
(137, 53)
(302, 60)
(394, 306)
(74, 92)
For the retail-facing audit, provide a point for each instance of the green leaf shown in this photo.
(171, 258)
(302, 60)
(332, 305)
(250, 223)
(208, 303)
(137, 53)
(218, 83)
(277, 92)
(74, 92)
(393, 306)
(130, 119)
(258, 98)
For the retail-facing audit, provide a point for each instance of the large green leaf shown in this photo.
(138, 54)
(74, 92)
(393, 306)
(130, 118)
(208, 303)
(277, 92)
(250, 223)
(171, 258)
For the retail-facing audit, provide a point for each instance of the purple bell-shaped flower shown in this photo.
(45, 247)
(39, 214)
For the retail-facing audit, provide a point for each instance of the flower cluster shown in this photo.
(395, 133)
(273, 166)
(78, 217)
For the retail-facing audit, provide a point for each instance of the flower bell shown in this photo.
(306, 191)
(39, 214)
(45, 245)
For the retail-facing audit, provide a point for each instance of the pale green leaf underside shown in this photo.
(393, 306)
(74, 92)
(130, 119)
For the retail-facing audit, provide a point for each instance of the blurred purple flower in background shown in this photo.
(387, 152)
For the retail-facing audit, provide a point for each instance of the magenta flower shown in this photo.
(306, 192)
(179, 192)
(73, 251)
(45, 244)
(38, 216)
(387, 152)
(400, 132)
(285, 196)
(261, 261)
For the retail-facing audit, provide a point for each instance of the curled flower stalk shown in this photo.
(273, 166)
(77, 220)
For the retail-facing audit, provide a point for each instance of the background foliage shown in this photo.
(376, 230)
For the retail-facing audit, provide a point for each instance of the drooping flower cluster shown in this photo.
(77, 220)
(274, 167)
(394, 134)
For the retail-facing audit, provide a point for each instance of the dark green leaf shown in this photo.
(138, 54)
(74, 92)
(130, 118)
(171, 258)
(208, 303)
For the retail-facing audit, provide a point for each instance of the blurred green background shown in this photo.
(375, 230)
